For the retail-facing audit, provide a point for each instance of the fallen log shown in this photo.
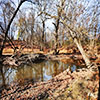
(16, 60)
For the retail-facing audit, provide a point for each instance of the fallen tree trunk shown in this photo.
(16, 60)
(78, 43)
(86, 59)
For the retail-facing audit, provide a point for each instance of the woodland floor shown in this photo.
(81, 84)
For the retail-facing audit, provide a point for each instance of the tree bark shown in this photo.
(78, 43)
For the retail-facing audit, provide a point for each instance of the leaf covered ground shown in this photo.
(82, 84)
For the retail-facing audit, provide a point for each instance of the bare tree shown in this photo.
(10, 22)
(44, 6)
(7, 10)
(70, 18)
(8, 27)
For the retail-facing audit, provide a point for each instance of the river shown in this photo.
(34, 72)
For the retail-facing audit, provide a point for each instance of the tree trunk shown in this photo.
(86, 59)
(43, 32)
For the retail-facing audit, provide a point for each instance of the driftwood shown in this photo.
(16, 60)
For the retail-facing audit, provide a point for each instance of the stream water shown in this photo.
(35, 72)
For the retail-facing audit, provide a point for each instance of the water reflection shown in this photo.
(35, 72)
(2, 76)
(6, 75)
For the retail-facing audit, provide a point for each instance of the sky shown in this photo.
(49, 24)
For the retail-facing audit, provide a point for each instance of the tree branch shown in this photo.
(8, 27)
